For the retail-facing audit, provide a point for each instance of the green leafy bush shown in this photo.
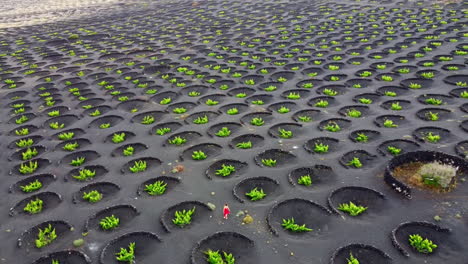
(352, 209)
(28, 168)
(183, 218)
(156, 188)
(214, 257)
(127, 255)
(84, 174)
(109, 222)
(269, 162)
(305, 180)
(289, 224)
(138, 166)
(256, 194)
(32, 186)
(199, 155)
(92, 196)
(437, 174)
(118, 138)
(422, 245)
(34, 206)
(225, 170)
(45, 237)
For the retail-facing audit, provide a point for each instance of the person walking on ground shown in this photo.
(226, 211)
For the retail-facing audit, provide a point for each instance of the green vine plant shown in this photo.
(283, 133)
(84, 175)
(32, 186)
(354, 162)
(256, 194)
(183, 218)
(269, 162)
(66, 135)
(128, 151)
(223, 132)
(225, 170)
(289, 224)
(93, 196)
(138, 166)
(352, 209)
(29, 154)
(199, 155)
(163, 131)
(177, 141)
(45, 236)
(34, 206)
(78, 161)
(109, 222)
(305, 180)
(422, 245)
(28, 168)
(321, 148)
(244, 145)
(71, 146)
(214, 257)
(118, 138)
(127, 254)
(352, 259)
(22, 143)
(156, 188)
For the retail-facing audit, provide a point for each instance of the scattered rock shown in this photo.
(437, 218)
(178, 168)
(240, 213)
(78, 242)
(211, 206)
(213, 193)
(247, 219)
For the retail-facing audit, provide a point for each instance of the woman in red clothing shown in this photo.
(226, 211)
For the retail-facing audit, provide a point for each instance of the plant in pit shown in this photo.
(352, 259)
(56, 125)
(45, 237)
(177, 141)
(304, 118)
(256, 194)
(201, 120)
(22, 143)
(214, 257)
(109, 222)
(78, 161)
(225, 170)
(437, 174)
(199, 155)
(93, 196)
(365, 74)
(232, 111)
(365, 101)
(422, 245)
(34, 206)
(28, 168)
(223, 132)
(332, 127)
(147, 120)
(321, 103)
(355, 162)
(390, 93)
(396, 106)
(126, 255)
(320, 148)
(433, 101)
(283, 110)
(84, 174)
(433, 138)
(389, 123)
(289, 224)
(415, 86)
(118, 137)
(269, 162)
(244, 145)
(66, 135)
(22, 119)
(53, 113)
(138, 166)
(361, 137)
(183, 218)
(330, 92)
(352, 209)
(241, 95)
(257, 121)
(211, 102)
(283, 133)
(29, 154)
(393, 150)
(354, 113)
(32, 186)
(179, 110)
(156, 188)
(71, 146)
(386, 78)
(294, 96)
(432, 116)
(249, 82)
(104, 125)
(464, 94)
(305, 180)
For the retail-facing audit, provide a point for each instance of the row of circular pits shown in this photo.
(303, 211)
